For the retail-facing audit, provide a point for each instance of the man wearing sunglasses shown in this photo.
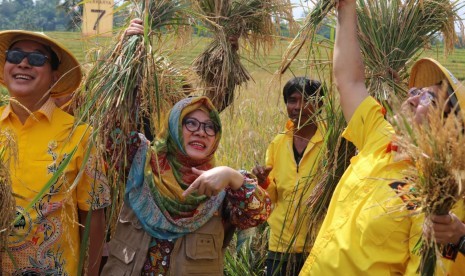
(46, 237)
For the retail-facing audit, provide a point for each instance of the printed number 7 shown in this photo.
(102, 12)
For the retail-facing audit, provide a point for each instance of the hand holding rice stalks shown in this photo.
(437, 175)
(391, 32)
(219, 66)
(129, 85)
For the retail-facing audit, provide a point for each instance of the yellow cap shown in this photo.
(427, 72)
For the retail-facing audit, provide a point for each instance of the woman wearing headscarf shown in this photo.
(179, 208)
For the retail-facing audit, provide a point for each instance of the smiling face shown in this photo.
(297, 108)
(421, 101)
(197, 144)
(27, 83)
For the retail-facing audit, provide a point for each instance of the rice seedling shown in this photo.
(219, 66)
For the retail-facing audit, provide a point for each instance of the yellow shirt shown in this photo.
(46, 238)
(290, 186)
(364, 233)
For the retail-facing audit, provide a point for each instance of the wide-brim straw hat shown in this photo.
(69, 69)
(428, 72)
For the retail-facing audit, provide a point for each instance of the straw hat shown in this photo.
(427, 72)
(68, 69)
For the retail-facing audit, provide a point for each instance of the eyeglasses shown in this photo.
(193, 125)
(427, 97)
(33, 58)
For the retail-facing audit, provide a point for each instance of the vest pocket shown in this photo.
(128, 247)
(120, 259)
(200, 252)
(202, 246)
(122, 252)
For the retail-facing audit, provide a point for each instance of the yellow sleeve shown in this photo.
(368, 130)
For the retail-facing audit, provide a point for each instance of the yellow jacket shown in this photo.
(290, 186)
(364, 231)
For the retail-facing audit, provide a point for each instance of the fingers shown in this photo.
(137, 21)
(194, 185)
(443, 219)
(268, 170)
(192, 188)
(446, 228)
(262, 170)
(135, 27)
(197, 171)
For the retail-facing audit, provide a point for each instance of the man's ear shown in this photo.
(55, 76)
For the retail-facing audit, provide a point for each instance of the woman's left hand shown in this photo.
(447, 228)
(215, 180)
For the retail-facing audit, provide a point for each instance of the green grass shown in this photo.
(191, 48)
(258, 113)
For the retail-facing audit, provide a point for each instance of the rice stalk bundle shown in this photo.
(393, 32)
(219, 66)
(7, 200)
(337, 158)
(307, 32)
(437, 174)
(334, 161)
(123, 89)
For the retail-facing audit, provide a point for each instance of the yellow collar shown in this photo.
(46, 109)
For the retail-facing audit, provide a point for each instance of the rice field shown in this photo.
(258, 113)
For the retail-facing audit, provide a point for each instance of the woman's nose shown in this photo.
(414, 100)
(201, 131)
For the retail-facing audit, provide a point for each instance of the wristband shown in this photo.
(461, 245)
(450, 251)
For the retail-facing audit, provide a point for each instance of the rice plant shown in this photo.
(394, 33)
(8, 153)
(391, 34)
(219, 66)
(437, 173)
(131, 85)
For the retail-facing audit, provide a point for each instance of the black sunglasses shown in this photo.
(194, 125)
(33, 58)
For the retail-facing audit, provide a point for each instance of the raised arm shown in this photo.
(349, 70)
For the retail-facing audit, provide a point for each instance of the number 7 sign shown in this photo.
(98, 18)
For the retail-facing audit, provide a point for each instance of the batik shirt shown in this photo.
(45, 240)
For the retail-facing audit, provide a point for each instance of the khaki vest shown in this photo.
(197, 253)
